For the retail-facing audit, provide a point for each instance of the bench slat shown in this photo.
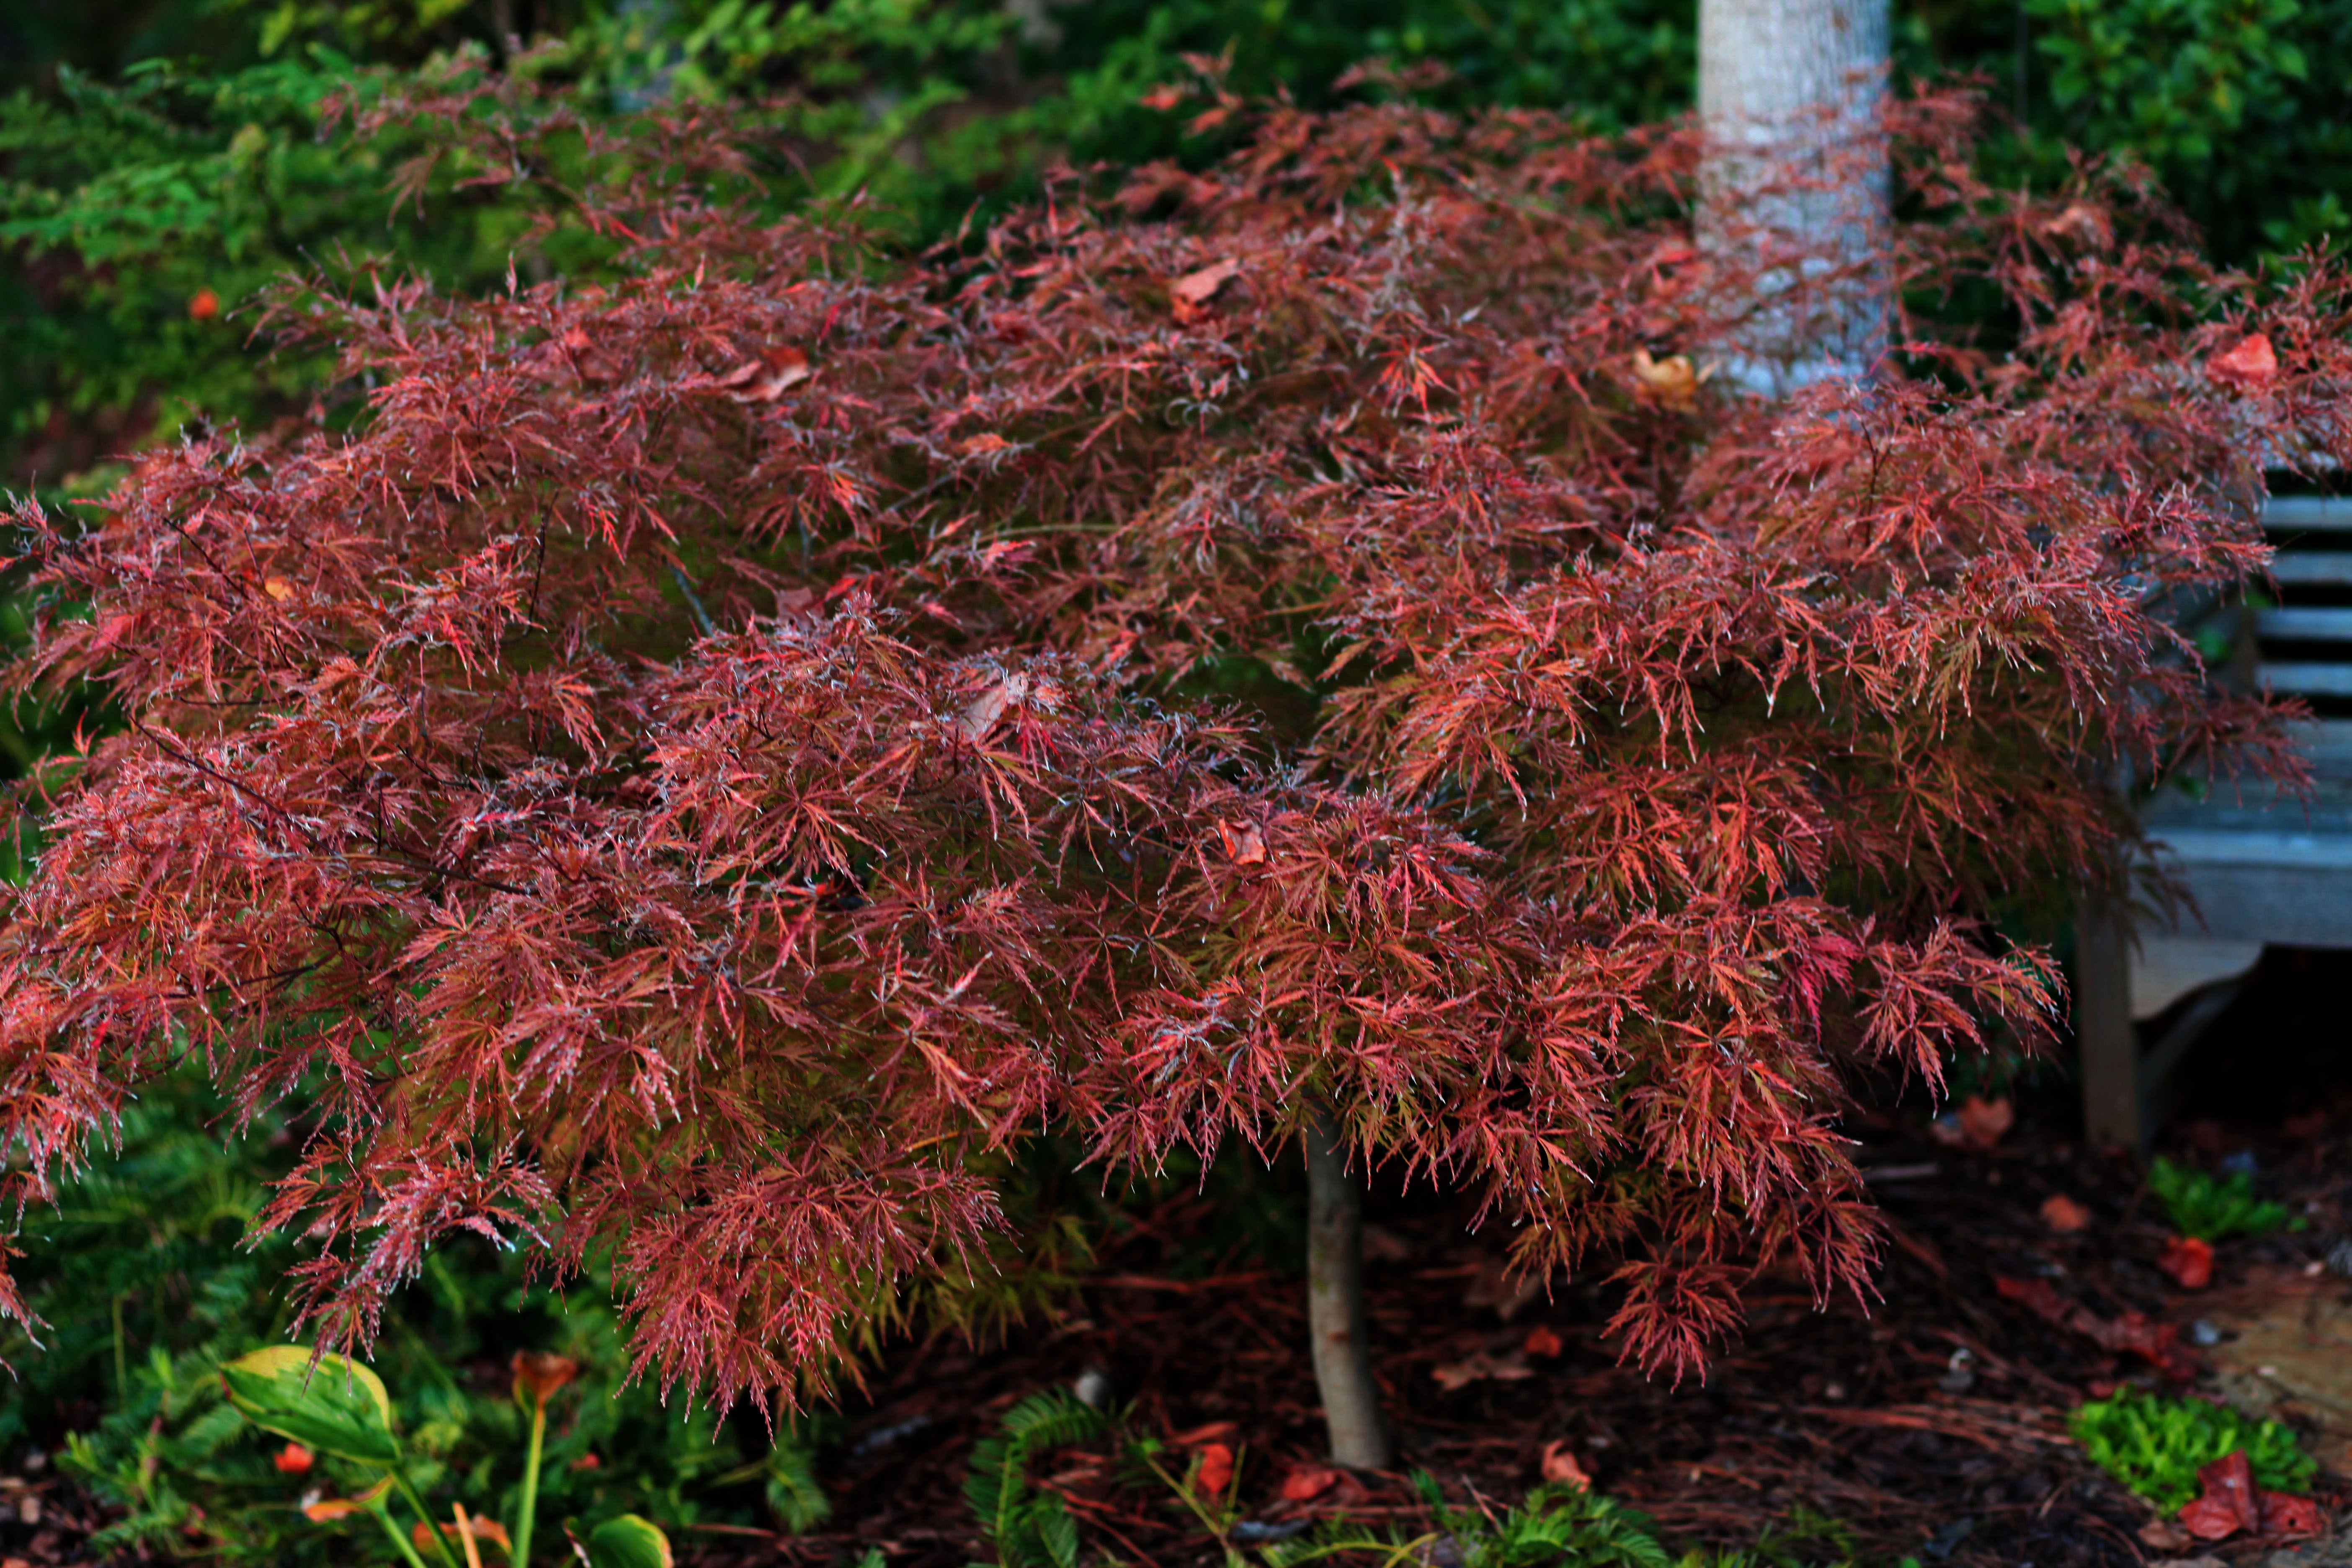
(2312, 567)
(2310, 625)
(2308, 511)
(2309, 680)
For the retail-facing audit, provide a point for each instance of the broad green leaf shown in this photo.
(335, 1407)
(628, 1542)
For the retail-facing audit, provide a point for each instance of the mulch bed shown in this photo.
(1931, 1425)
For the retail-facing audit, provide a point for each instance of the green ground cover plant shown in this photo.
(2156, 1445)
(2210, 1207)
(148, 1282)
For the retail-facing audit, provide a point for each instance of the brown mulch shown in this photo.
(1931, 1424)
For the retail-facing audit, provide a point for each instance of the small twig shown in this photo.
(701, 616)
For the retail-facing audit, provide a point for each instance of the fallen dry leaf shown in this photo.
(1671, 382)
(2250, 366)
(2081, 222)
(1542, 1342)
(1245, 846)
(763, 380)
(2163, 1535)
(2285, 1515)
(2189, 1260)
(1984, 1121)
(1307, 1482)
(1478, 1368)
(980, 717)
(2227, 1504)
(1190, 295)
(1977, 1123)
(1216, 1471)
(2064, 1216)
(2132, 1333)
(277, 587)
(1561, 1469)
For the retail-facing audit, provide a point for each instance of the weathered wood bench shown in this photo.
(2260, 868)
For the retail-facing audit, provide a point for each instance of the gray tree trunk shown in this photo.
(1794, 186)
(1335, 1303)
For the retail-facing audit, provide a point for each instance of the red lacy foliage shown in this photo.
(708, 761)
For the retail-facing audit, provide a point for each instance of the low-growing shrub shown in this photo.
(690, 774)
(2156, 1446)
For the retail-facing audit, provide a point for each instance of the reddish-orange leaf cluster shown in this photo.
(697, 765)
(2228, 1502)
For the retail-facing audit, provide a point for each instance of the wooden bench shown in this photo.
(2262, 867)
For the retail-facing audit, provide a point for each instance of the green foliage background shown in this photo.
(151, 149)
(149, 1282)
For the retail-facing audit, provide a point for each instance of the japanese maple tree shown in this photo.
(690, 767)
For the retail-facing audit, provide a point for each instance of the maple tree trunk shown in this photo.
(1786, 92)
(1335, 1319)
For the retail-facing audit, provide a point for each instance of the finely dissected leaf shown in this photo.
(329, 1403)
(628, 1542)
(741, 748)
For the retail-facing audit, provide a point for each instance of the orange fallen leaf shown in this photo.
(1216, 1471)
(1561, 1469)
(1977, 1123)
(204, 306)
(763, 380)
(1245, 846)
(2250, 367)
(1542, 1342)
(277, 587)
(2064, 1216)
(1984, 1121)
(1671, 382)
(2189, 1260)
(1191, 294)
(1307, 1482)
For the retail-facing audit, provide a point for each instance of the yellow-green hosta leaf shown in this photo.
(337, 1407)
(628, 1542)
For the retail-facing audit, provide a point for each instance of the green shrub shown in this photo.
(2202, 1206)
(2156, 1446)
